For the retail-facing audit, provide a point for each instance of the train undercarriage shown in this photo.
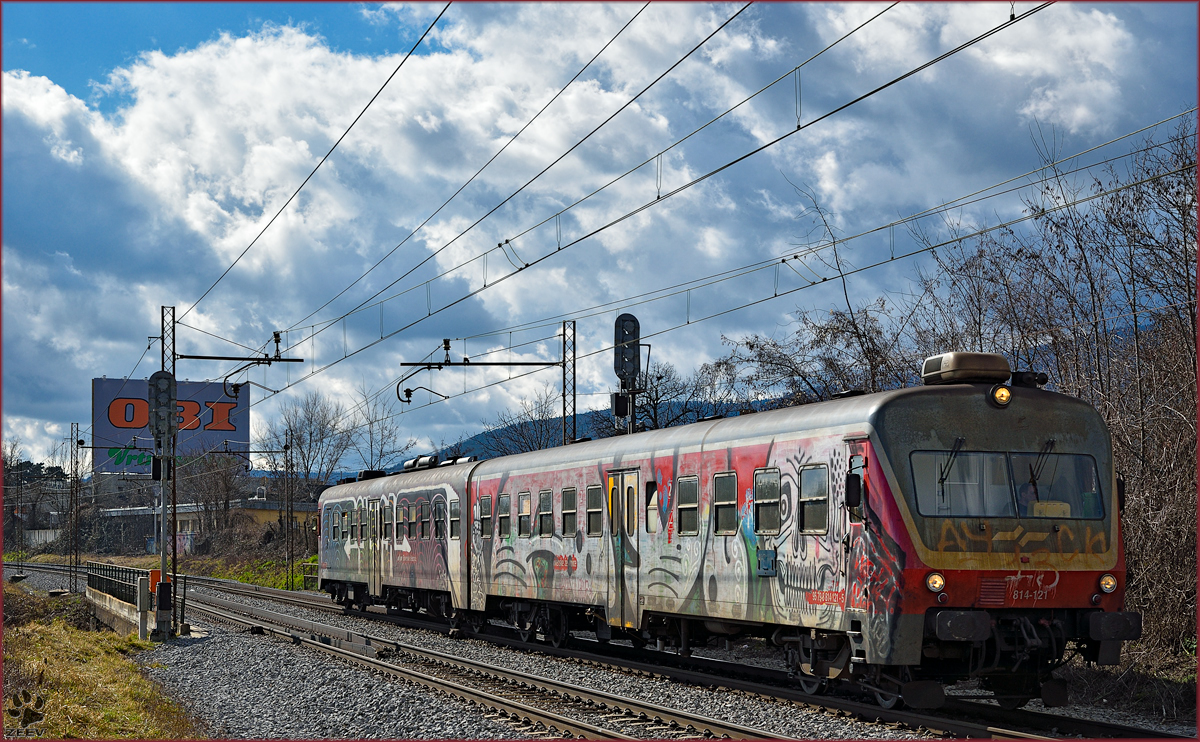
(1011, 653)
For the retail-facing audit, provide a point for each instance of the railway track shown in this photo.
(971, 718)
(560, 708)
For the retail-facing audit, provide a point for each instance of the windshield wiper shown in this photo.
(1035, 469)
(945, 473)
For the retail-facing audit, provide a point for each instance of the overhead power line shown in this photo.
(846, 273)
(477, 172)
(676, 191)
(732, 273)
(318, 166)
(558, 159)
(606, 185)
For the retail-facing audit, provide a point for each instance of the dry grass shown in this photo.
(1147, 682)
(91, 687)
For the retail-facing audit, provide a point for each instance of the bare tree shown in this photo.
(536, 424)
(213, 481)
(316, 427)
(376, 436)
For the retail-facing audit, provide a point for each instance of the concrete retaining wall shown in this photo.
(123, 618)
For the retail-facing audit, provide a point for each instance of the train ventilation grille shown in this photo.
(992, 592)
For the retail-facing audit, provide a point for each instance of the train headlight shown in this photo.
(1000, 395)
(1108, 583)
(935, 582)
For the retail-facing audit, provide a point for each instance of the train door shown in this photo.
(856, 565)
(372, 541)
(623, 521)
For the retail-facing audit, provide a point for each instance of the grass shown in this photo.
(89, 685)
(264, 571)
(1147, 681)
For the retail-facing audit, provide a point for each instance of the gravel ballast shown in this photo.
(784, 719)
(252, 686)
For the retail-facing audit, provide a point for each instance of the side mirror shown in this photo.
(853, 490)
(1121, 493)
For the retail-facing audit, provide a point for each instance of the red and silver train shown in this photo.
(900, 540)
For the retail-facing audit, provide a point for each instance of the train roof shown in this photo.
(869, 412)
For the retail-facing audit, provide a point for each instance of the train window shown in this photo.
(412, 521)
(439, 520)
(651, 506)
(631, 504)
(424, 519)
(545, 514)
(345, 529)
(455, 519)
(485, 516)
(504, 516)
(814, 499)
(1054, 485)
(387, 522)
(688, 492)
(766, 501)
(956, 483)
(523, 523)
(354, 525)
(725, 502)
(570, 501)
(595, 510)
(858, 465)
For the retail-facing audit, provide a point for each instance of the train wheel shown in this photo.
(526, 624)
(889, 695)
(813, 686)
(476, 622)
(557, 628)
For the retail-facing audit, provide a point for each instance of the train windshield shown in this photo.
(1057, 486)
(962, 484)
(957, 484)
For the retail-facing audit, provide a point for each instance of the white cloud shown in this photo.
(207, 143)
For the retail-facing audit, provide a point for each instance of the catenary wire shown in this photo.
(618, 178)
(558, 159)
(679, 189)
(749, 268)
(477, 172)
(671, 193)
(318, 166)
(846, 273)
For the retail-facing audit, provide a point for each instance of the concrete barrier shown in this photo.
(123, 618)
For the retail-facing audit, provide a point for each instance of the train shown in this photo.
(901, 541)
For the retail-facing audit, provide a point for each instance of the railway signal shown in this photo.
(627, 354)
(164, 420)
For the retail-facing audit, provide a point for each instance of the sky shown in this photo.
(147, 148)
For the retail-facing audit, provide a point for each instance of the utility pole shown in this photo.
(73, 523)
(287, 490)
(570, 432)
(164, 424)
(168, 364)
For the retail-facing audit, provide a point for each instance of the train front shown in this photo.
(1010, 505)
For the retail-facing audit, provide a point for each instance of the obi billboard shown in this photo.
(208, 421)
